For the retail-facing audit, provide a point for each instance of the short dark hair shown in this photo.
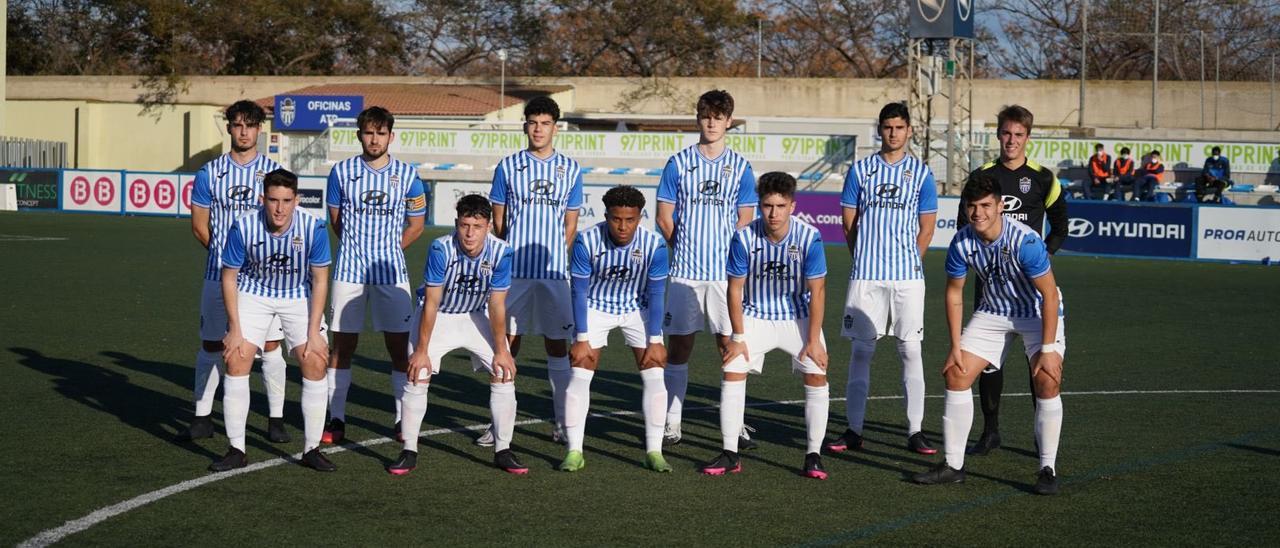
(475, 205)
(623, 196)
(1155, 152)
(1098, 146)
(377, 117)
(280, 177)
(1216, 150)
(776, 182)
(1015, 113)
(716, 101)
(542, 105)
(1124, 150)
(980, 187)
(896, 109)
(252, 113)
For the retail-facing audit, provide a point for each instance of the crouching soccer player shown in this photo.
(467, 271)
(777, 293)
(619, 271)
(275, 264)
(1019, 295)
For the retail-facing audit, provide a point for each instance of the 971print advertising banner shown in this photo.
(1103, 228)
(96, 191)
(1238, 234)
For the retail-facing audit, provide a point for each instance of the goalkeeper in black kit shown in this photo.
(1030, 192)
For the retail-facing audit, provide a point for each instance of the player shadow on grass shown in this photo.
(111, 392)
(256, 435)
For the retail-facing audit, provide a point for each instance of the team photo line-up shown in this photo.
(728, 256)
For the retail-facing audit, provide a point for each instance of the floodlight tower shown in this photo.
(940, 66)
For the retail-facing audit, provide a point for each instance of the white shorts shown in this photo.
(257, 314)
(871, 306)
(213, 315)
(691, 303)
(391, 307)
(453, 331)
(540, 307)
(599, 324)
(986, 335)
(765, 335)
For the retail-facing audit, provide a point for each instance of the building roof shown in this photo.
(426, 99)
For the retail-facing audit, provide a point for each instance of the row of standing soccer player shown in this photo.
(515, 260)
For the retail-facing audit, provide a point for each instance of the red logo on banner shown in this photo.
(80, 190)
(139, 194)
(104, 190)
(163, 194)
(186, 193)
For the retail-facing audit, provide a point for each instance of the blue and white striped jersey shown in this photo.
(537, 194)
(619, 277)
(777, 273)
(890, 198)
(467, 280)
(1005, 268)
(228, 190)
(707, 194)
(373, 204)
(276, 266)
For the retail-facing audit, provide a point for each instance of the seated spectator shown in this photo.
(1099, 174)
(1215, 177)
(1144, 190)
(1124, 170)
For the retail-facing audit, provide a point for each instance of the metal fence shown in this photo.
(15, 152)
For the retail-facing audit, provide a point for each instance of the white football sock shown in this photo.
(859, 384)
(957, 419)
(558, 374)
(912, 383)
(676, 377)
(314, 397)
(273, 381)
(817, 407)
(653, 404)
(398, 380)
(235, 408)
(502, 407)
(577, 403)
(414, 401)
(733, 404)
(339, 383)
(208, 374)
(1048, 430)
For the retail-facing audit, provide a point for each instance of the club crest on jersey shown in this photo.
(297, 243)
(1024, 185)
(486, 268)
(560, 170)
(395, 183)
(793, 252)
(906, 177)
(259, 175)
(637, 256)
(726, 171)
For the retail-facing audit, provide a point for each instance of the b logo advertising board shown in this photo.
(153, 193)
(97, 191)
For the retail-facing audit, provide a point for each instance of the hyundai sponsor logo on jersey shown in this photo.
(1122, 229)
(314, 112)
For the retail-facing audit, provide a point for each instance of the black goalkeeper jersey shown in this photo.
(1030, 193)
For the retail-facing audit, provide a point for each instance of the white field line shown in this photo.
(50, 536)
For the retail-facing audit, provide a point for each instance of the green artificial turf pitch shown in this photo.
(98, 319)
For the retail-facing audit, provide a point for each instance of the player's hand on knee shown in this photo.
(504, 367)
(316, 346)
(732, 350)
(955, 360)
(580, 354)
(816, 353)
(233, 346)
(419, 367)
(1048, 364)
(655, 355)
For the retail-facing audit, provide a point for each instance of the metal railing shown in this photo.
(17, 152)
